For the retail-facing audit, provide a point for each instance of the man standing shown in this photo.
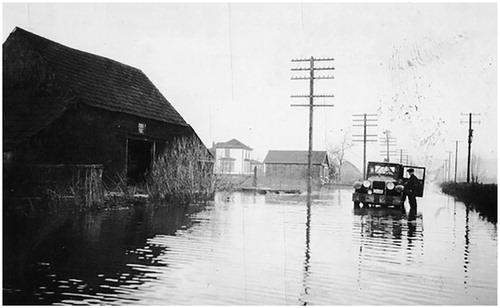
(410, 189)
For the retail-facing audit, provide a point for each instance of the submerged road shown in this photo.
(251, 249)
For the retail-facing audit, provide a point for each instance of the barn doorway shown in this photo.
(139, 159)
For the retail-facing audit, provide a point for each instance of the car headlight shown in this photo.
(367, 183)
(357, 185)
(390, 185)
(370, 191)
(399, 188)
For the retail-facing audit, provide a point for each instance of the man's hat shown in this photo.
(410, 170)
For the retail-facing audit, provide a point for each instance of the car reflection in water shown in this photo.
(390, 234)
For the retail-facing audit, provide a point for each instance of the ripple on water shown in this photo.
(273, 250)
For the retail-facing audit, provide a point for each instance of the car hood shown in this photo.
(382, 178)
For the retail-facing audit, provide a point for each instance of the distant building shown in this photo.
(294, 165)
(233, 157)
(63, 106)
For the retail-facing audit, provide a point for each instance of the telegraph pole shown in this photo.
(407, 159)
(388, 141)
(365, 121)
(456, 158)
(469, 141)
(445, 165)
(401, 152)
(449, 165)
(311, 104)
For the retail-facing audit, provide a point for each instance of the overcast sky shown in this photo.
(227, 67)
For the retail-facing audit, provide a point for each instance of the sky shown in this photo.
(226, 68)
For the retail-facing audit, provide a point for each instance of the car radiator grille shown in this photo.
(378, 187)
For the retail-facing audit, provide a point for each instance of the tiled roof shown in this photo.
(233, 144)
(294, 157)
(87, 78)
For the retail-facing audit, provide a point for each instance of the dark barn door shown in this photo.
(139, 160)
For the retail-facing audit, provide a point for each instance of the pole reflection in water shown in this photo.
(307, 256)
(466, 247)
(247, 249)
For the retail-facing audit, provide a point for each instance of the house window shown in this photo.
(141, 128)
(246, 167)
(227, 152)
(227, 166)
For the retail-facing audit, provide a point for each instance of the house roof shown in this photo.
(295, 157)
(253, 161)
(233, 144)
(71, 75)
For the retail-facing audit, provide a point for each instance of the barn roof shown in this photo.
(81, 77)
(233, 144)
(295, 157)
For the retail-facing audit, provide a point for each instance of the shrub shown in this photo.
(480, 197)
(182, 174)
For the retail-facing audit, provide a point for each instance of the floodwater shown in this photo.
(247, 249)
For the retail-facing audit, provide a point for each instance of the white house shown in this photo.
(232, 157)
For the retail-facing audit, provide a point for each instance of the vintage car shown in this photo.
(384, 184)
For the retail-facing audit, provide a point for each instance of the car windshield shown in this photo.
(383, 171)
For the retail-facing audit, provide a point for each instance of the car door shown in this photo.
(420, 174)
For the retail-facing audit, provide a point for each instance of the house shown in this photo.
(294, 165)
(233, 157)
(66, 106)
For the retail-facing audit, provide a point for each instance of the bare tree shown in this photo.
(475, 168)
(339, 150)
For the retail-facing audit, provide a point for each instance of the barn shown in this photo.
(294, 165)
(63, 106)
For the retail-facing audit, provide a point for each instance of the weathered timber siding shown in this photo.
(87, 135)
(296, 171)
(63, 106)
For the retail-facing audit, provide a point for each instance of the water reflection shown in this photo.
(307, 256)
(383, 228)
(252, 249)
(466, 246)
(58, 257)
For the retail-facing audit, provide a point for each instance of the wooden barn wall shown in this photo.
(86, 135)
(290, 170)
(63, 130)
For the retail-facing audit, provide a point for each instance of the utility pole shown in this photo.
(456, 158)
(387, 142)
(469, 141)
(449, 165)
(365, 119)
(311, 104)
(444, 169)
(401, 152)
(408, 159)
